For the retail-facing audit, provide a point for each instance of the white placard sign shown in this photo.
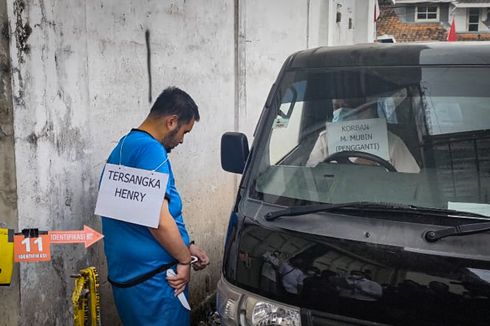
(131, 195)
(369, 135)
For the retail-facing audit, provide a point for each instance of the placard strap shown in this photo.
(120, 156)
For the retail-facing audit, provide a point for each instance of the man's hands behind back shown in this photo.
(182, 277)
(202, 257)
(180, 280)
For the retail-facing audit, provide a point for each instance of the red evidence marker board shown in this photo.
(32, 249)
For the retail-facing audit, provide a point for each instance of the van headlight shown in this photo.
(238, 307)
(259, 312)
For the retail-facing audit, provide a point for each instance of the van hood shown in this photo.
(370, 281)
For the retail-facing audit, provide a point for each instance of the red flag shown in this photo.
(451, 36)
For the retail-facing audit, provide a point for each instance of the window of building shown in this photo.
(473, 19)
(427, 13)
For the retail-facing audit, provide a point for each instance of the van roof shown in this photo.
(399, 54)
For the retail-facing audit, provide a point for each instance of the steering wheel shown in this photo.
(343, 158)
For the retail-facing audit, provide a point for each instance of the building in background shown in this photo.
(415, 20)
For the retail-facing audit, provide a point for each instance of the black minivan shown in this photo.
(365, 198)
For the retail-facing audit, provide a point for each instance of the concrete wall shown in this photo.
(363, 25)
(55, 152)
(80, 82)
(341, 29)
(348, 22)
(9, 296)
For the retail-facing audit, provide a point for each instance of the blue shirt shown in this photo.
(130, 249)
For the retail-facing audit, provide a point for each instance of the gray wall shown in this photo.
(9, 296)
(80, 83)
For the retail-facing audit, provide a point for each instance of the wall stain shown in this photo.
(148, 63)
(22, 31)
(5, 69)
(45, 132)
(58, 265)
(44, 20)
(19, 100)
(68, 140)
(176, 8)
(22, 48)
(5, 31)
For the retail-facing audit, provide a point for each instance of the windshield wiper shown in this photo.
(368, 206)
(458, 230)
(300, 210)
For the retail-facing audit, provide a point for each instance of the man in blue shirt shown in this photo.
(137, 256)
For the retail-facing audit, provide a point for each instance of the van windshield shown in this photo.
(406, 135)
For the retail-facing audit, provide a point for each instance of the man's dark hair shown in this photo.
(172, 101)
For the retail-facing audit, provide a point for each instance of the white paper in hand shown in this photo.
(181, 296)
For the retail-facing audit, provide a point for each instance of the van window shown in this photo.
(414, 135)
(286, 130)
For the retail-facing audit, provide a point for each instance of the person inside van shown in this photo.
(269, 270)
(292, 275)
(356, 109)
(358, 286)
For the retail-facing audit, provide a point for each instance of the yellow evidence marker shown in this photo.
(6, 256)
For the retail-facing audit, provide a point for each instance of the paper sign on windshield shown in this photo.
(370, 136)
(131, 195)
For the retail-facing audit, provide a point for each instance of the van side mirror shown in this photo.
(234, 152)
